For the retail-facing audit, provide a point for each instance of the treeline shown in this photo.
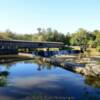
(83, 37)
(78, 38)
(42, 35)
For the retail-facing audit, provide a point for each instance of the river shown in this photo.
(35, 80)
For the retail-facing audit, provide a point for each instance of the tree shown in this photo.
(96, 33)
(39, 30)
(80, 38)
(67, 39)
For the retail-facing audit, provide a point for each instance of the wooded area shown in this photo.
(78, 38)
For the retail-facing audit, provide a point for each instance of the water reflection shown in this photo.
(35, 76)
(92, 81)
(41, 64)
(3, 78)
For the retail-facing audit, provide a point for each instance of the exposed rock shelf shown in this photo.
(85, 69)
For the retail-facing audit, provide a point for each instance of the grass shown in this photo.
(98, 62)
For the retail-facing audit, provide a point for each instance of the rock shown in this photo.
(92, 70)
(79, 70)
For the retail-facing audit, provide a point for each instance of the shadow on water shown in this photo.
(92, 81)
(3, 78)
(44, 85)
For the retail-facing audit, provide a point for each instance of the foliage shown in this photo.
(98, 48)
(91, 43)
(67, 48)
(96, 33)
(78, 38)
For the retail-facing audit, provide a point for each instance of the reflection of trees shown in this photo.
(40, 62)
(8, 62)
(3, 78)
(8, 65)
(94, 93)
(91, 95)
(92, 81)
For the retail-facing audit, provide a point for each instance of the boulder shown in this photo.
(92, 70)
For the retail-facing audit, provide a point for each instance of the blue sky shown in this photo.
(25, 16)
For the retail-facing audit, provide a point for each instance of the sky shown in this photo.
(25, 16)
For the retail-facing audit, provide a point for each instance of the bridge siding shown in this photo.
(21, 44)
(14, 45)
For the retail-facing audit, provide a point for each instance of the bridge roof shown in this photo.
(32, 41)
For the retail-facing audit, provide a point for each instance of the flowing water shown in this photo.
(33, 80)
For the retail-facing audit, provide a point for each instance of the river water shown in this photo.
(34, 80)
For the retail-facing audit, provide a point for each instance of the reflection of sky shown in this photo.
(2, 68)
(25, 79)
(52, 82)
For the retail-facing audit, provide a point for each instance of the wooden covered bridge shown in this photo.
(14, 45)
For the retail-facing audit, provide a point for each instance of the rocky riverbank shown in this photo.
(92, 70)
(84, 66)
(14, 58)
(88, 68)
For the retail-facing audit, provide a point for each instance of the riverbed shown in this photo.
(35, 80)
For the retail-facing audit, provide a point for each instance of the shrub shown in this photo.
(98, 48)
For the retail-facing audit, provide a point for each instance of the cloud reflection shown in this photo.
(40, 82)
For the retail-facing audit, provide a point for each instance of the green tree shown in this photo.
(80, 38)
(96, 33)
(67, 39)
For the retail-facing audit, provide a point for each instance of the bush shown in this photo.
(98, 48)
(66, 48)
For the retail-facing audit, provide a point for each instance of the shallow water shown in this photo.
(33, 80)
